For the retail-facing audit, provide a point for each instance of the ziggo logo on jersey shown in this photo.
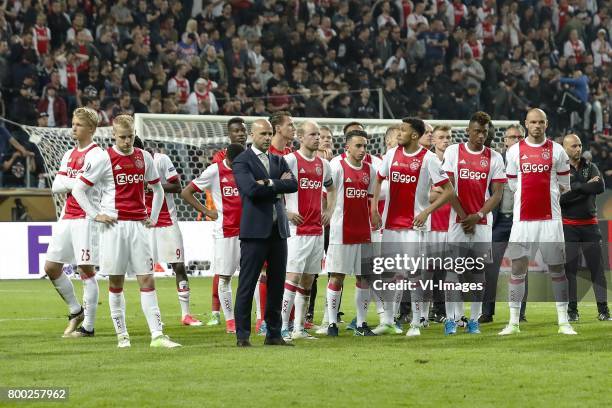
(352, 192)
(229, 191)
(471, 175)
(535, 168)
(72, 173)
(398, 177)
(129, 178)
(310, 184)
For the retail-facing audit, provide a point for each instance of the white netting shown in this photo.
(191, 140)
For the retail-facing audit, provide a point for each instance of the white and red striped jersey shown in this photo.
(167, 174)
(219, 179)
(410, 179)
(350, 221)
(536, 172)
(180, 87)
(71, 166)
(474, 172)
(42, 38)
(121, 178)
(312, 175)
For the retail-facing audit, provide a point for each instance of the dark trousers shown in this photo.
(585, 238)
(253, 253)
(501, 235)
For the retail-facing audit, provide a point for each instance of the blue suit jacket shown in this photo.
(257, 199)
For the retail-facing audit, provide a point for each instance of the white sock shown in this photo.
(475, 310)
(515, 312)
(64, 287)
(333, 298)
(562, 312)
(183, 296)
(459, 310)
(116, 302)
(380, 307)
(417, 307)
(225, 298)
(425, 311)
(516, 288)
(362, 300)
(91, 293)
(257, 300)
(450, 310)
(302, 300)
(150, 308)
(325, 320)
(397, 300)
(288, 299)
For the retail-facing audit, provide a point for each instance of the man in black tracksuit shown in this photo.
(581, 229)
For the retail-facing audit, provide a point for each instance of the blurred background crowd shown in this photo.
(435, 59)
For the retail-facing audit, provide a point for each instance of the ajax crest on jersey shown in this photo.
(484, 163)
(318, 170)
(139, 163)
(366, 179)
(415, 165)
(546, 155)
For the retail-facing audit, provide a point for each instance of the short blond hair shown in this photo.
(124, 121)
(301, 129)
(87, 115)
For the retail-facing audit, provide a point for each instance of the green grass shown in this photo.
(536, 368)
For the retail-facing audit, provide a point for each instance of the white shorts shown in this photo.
(527, 237)
(227, 256)
(407, 242)
(305, 254)
(376, 238)
(476, 245)
(436, 244)
(125, 248)
(75, 242)
(348, 258)
(167, 244)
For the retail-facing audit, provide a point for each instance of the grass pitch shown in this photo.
(536, 368)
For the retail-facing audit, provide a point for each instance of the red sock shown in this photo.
(292, 314)
(263, 291)
(216, 304)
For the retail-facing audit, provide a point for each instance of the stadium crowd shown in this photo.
(320, 58)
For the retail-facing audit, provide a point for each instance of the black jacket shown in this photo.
(579, 203)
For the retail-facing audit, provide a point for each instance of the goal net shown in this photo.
(191, 140)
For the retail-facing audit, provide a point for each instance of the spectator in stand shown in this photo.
(54, 107)
(202, 100)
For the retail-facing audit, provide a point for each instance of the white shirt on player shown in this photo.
(121, 178)
(535, 173)
(312, 176)
(473, 172)
(410, 179)
(219, 179)
(167, 174)
(350, 221)
(71, 166)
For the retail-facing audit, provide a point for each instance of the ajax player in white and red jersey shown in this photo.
(411, 170)
(75, 236)
(120, 173)
(306, 222)
(350, 231)
(218, 178)
(166, 238)
(474, 170)
(538, 171)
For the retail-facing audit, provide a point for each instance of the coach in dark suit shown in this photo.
(262, 178)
